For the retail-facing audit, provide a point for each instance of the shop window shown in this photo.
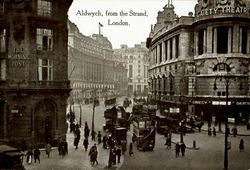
(45, 69)
(2, 40)
(222, 40)
(44, 8)
(44, 39)
(201, 42)
(244, 40)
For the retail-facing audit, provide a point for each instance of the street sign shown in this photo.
(228, 145)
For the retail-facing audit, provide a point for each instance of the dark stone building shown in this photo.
(195, 58)
(34, 84)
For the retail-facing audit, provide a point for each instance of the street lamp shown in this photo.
(227, 79)
(181, 129)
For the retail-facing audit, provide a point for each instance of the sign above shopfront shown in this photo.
(223, 10)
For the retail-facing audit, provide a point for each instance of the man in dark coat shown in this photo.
(118, 154)
(183, 148)
(177, 149)
(99, 137)
(86, 130)
(86, 144)
(37, 155)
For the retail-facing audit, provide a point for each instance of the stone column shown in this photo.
(248, 41)
(209, 39)
(236, 32)
(240, 40)
(229, 40)
(168, 52)
(205, 41)
(215, 41)
(174, 48)
(158, 53)
(196, 43)
(163, 51)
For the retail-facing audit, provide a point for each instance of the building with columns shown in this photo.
(136, 61)
(193, 59)
(34, 84)
(92, 70)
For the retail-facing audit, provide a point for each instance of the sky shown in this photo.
(138, 27)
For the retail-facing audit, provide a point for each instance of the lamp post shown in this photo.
(226, 122)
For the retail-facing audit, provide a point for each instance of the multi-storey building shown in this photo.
(92, 69)
(136, 61)
(34, 84)
(193, 59)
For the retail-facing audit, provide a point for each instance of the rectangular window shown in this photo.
(200, 41)
(130, 71)
(160, 53)
(44, 39)
(166, 50)
(44, 8)
(45, 69)
(2, 40)
(244, 40)
(177, 46)
(171, 48)
(222, 40)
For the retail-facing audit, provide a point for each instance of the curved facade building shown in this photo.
(34, 84)
(195, 58)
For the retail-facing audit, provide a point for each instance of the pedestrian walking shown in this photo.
(93, 134)
(241, 146)
(104, 142)
(234, 131)
(131, 149)
(114, 156)
(48, 149)
(86, 130)
(37, 155)
(60, 145)
(86, 144)
(168, 143)
(76, 142)
(214, 131)
(63, 150)
(118, 154)
(209, 131)
(93, 155)
(177, 149)
(65, 143)
(99, 137)
(183, 148)
(29, 156)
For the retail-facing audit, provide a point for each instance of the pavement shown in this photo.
(77, 159)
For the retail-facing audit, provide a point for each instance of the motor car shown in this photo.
(10, 158)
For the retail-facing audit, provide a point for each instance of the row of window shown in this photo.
(44, 39)
(167, 50)
(223, 39)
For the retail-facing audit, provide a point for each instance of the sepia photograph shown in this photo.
(125, 84)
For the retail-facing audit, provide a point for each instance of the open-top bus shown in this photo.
(144, 132)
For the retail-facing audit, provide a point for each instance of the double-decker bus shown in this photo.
(144, 132)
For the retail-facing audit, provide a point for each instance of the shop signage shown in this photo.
(199, 102)
(14, 111)
(242, 103)
(221, 103)
(223, 10)
(174, 110)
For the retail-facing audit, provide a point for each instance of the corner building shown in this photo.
(34, 84)
(193, 57)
